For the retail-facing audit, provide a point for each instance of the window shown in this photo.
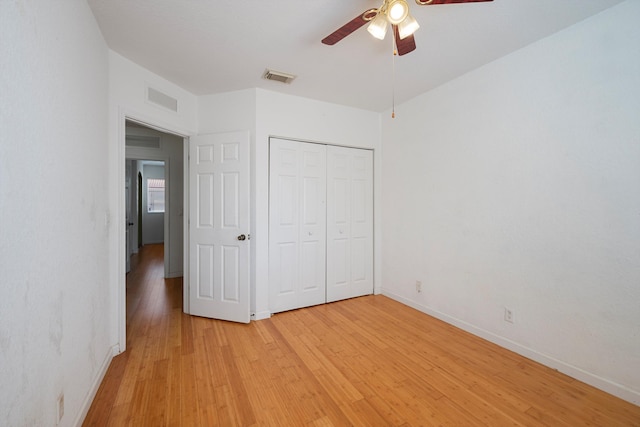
(155, 195)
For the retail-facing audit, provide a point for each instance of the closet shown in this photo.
(320, 223)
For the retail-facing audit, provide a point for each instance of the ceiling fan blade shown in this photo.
(350, 27)
(432, 2)
(405, 45)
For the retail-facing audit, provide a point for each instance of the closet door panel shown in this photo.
(297, 225)
(285, 277)
(284, 222)
(349, 223)
(313, 176)
(359, 259)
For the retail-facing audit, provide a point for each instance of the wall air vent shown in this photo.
(278, 76)
(142, 141)
(162, 99)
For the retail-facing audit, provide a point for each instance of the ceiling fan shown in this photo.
(394, 12)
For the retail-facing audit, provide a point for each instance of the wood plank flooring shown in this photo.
(368, 361)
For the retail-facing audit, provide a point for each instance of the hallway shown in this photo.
(150, 297)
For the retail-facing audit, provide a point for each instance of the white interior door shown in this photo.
(219, 226)
(349, 223)
(297, 224)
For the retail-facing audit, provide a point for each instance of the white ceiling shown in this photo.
(213, 46)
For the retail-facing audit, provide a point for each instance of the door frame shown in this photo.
(120, 223)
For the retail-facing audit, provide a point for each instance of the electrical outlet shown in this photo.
(418, 286)
(60, 407)
(508, 315)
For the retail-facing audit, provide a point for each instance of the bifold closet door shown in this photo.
(349, 223)
(297, 224)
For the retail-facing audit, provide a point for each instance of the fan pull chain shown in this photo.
(393, 76)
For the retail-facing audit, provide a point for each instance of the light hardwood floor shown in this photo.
(368, 361)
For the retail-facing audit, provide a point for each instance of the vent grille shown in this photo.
(278, 76)
(142, 141)
(162, 99)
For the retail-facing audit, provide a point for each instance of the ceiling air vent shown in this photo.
(278, 76)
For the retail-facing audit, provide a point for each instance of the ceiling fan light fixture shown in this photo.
(397, 11)
(378, 27)
(408, 27)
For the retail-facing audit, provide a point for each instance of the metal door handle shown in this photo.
(242, 237)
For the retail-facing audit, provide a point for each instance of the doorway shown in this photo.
(153, 164)
(158, 157)
(145, 211)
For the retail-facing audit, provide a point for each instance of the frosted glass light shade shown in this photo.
(378, 27)
(397, 11)
(407, 27)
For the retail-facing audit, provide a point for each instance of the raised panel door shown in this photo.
(219, 215)
(297, 224)
(349, 223)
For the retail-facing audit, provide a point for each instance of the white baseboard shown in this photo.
(86, 405)
(603, 384)
(260, 315)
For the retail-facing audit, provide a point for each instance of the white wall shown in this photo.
(307, 120)
(127, 90)
(264, 114)
(518, 185)
(54, 293)
(128, 83)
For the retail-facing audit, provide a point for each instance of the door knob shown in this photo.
(242, 237)
(130, 223)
